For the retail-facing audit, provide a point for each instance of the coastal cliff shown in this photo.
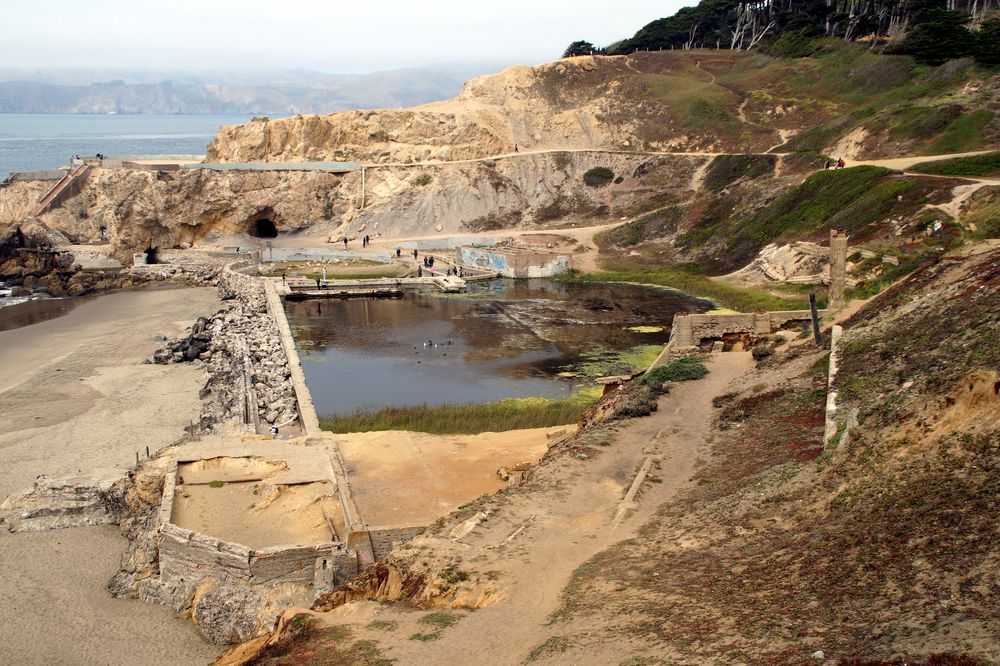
(844, 101)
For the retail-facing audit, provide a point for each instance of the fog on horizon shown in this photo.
(196, 35)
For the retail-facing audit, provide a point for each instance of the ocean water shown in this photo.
(32, 142)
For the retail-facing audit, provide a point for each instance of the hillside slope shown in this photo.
(699, 100)
(751, 540)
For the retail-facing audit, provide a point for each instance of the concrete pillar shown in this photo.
(681, 332)
(838, 268)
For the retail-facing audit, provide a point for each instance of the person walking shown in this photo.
(826, 165)
(399, 252)
(324, 274)
(274, 431)
(345, 242)
(841, 163)
(284, 279)
(414, 254)
(420, 271)
(515, 149)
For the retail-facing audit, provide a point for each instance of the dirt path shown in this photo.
(567, 518)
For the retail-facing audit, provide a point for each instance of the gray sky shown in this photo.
(332, 35)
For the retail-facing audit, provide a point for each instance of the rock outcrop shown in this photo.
(142, 209)
(600, 103)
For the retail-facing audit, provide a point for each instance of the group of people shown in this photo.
(837, 164)
(366, 240)
(428, 263)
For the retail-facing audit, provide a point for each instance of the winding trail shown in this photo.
(565, 518)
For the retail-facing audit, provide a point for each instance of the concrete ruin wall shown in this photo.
(515, 264)
(383, 539)
(187, 557)
(19, 176)
(691, 330)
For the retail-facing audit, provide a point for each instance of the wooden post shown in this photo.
(815, 319)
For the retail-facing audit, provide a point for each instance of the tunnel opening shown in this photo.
(263, 228)
(152, 255)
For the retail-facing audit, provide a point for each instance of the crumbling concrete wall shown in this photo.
(235, 592)
(384, 539)
(689, 332)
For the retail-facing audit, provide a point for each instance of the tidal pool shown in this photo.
(502, 339)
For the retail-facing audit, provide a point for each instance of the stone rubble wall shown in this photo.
(249, 378)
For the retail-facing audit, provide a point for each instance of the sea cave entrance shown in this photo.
(263, 228)
(152, 255)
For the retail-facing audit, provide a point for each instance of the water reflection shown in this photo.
(503, 339)
(34, 311)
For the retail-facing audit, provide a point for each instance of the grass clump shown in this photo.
(554, 645)
(681, 370)
(216, 484)
(472, 418)
(441, 619)
(987, 164)
(423, 179)
(382, 625)
(598, 176)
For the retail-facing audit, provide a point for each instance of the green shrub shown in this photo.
(423, 179)
(987, 164)
(640, 401)
(683, 369)
(727, 169)
(598, 176)
(648, 227)
(216, 484)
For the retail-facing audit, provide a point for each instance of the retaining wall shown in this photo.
(35, 175)
(515, 263)
(383, 539)
(322, 254)
(187, 556)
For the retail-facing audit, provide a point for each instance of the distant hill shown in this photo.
(272, 92)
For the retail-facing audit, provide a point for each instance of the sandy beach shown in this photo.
(76, 398)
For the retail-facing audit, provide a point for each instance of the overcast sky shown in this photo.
(332, 36)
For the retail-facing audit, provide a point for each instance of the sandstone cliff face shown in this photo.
(143, 209)
(607, 103)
